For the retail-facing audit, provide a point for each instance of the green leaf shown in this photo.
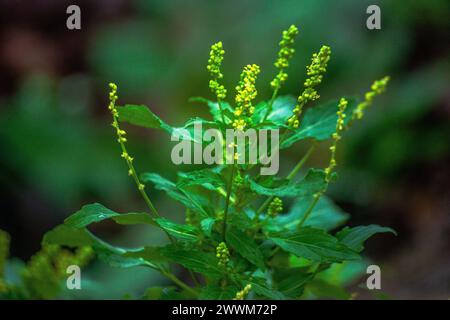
(190, 200)
(96, 212)
(281, 110)
(207, 178)
(343, 274)
(78, 237)
(245, 246)
(319, 289)
(319, 122)
(207, 226)
(214, 292)
(313, 244)
(325, 215)
(354, 238)
(293, 285)
(214, 109)
(182, 232)
(261, 288)
(312, 183)
(201, 262)
(142, 116)
(69, 236)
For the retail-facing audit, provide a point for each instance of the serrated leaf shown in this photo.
(182, 232)
(319, 122)
(354, 238)
(214, 292)
(245, 246)
(191, 201)
(201, 262)
(325, 215)
(96, 212)
(313, 244)
(312, 183)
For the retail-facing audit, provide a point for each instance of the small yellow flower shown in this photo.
(241, 295)
(222, 254)
(377, 88)
(286, 52)
(336, 136)
(214, 63)
(315, 71)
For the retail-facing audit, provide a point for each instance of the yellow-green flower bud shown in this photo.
(222, 254)
(275, 207)
(377, 88)
(284, 55)
(241, 295)
(336, 136)
(315, 71)
(214, 63)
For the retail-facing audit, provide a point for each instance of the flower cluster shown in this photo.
(246, 92)
(222, 254)
(336, 136)
(378, 87)
(275, 207)
(286, 52)
(241, 295)
(121, 133)
(315, 71)
(214, 63)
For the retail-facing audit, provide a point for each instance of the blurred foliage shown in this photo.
(57, 142)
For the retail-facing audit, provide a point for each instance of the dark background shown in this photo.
(59, 152)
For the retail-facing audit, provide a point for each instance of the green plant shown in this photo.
(238, 240)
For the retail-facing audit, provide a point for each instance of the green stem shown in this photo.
(302, 161)
(291, 175)
(221, 110)
(227, 202)
(180, 283)
(269, 107)
(310, 209)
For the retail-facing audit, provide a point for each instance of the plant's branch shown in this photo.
(219, 102)
(269, 107)
(180, 283)
(227, 202)
(310, 209)
(291, 175)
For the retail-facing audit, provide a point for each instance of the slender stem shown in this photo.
(310, 209)
(269, 107)
(180, 283)
(227, 201)
(302, 161)
(132, 170)
(291, 175)
(219, 102)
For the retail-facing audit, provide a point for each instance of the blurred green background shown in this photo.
(59, 152)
